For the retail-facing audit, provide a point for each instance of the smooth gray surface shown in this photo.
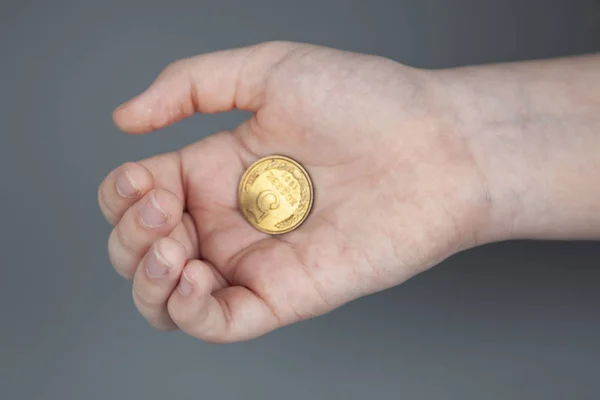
(508, 321)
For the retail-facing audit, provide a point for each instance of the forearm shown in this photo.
(534, 132)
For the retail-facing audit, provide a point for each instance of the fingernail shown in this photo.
(185, 285)
(156, 266)
(152, 214)
(126, 185)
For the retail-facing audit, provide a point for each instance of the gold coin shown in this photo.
(275, 194)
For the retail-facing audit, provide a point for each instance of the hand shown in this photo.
(397, 189)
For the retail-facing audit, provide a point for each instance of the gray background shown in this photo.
(514, 320)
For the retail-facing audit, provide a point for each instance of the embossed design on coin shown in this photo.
(275, 194)
(266, 201)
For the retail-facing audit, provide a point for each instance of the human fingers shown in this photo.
(121, 188)
(152, 217)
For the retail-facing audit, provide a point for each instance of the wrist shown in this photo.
(534, 133)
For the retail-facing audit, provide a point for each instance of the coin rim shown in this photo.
(310, 186)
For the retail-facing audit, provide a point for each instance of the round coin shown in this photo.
(275, 194)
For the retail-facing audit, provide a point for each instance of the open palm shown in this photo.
(384, 168)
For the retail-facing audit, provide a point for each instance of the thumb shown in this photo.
(209, 83)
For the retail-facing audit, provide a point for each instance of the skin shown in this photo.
(409, 167)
